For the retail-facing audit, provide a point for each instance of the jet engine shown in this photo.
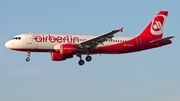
(56, 56)
(69, 49)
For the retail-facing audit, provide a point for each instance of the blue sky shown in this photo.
(151, 75)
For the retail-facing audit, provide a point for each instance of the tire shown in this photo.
(27, 59)
(81, 62)
(88, 58)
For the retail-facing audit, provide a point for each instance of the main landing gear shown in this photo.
(28, 56)
(88, 58)
(81, 61)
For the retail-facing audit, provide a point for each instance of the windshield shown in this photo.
(16, 38)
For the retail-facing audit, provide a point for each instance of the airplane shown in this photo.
(65, 46)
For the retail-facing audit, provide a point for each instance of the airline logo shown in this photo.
(157, 25)
(58, 39)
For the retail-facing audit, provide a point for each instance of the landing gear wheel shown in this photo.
(88, 58)
(27, 59)
(28, 55)
(81, 62)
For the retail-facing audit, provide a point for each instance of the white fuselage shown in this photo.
(48, 41)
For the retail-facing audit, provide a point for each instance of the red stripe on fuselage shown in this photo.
(126, 47)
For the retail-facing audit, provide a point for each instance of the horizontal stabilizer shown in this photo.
(161, 40)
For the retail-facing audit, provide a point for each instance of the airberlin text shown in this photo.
(58, 39)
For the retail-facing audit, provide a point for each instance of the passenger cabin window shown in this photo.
(82, 39)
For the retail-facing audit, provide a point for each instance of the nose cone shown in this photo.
(7, 44)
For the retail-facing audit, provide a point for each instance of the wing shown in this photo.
(94, 42)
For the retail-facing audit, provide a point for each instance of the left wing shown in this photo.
(94, 42)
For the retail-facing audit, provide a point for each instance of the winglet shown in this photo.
(121, 29)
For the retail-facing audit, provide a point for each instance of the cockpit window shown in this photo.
(17, 38)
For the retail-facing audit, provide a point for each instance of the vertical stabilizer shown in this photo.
(155, 28)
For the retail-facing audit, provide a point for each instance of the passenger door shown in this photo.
(29, 39)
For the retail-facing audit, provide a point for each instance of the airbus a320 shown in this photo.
(65, 46)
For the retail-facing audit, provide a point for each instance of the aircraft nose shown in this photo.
(7, 44)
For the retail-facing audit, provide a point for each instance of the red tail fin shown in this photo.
(156, 27)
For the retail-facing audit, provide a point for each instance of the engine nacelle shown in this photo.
(56, 56)
(69, 49)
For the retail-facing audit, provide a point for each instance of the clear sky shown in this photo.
(152, 75)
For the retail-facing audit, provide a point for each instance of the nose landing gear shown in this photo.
(28, 56)
(27, 59)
